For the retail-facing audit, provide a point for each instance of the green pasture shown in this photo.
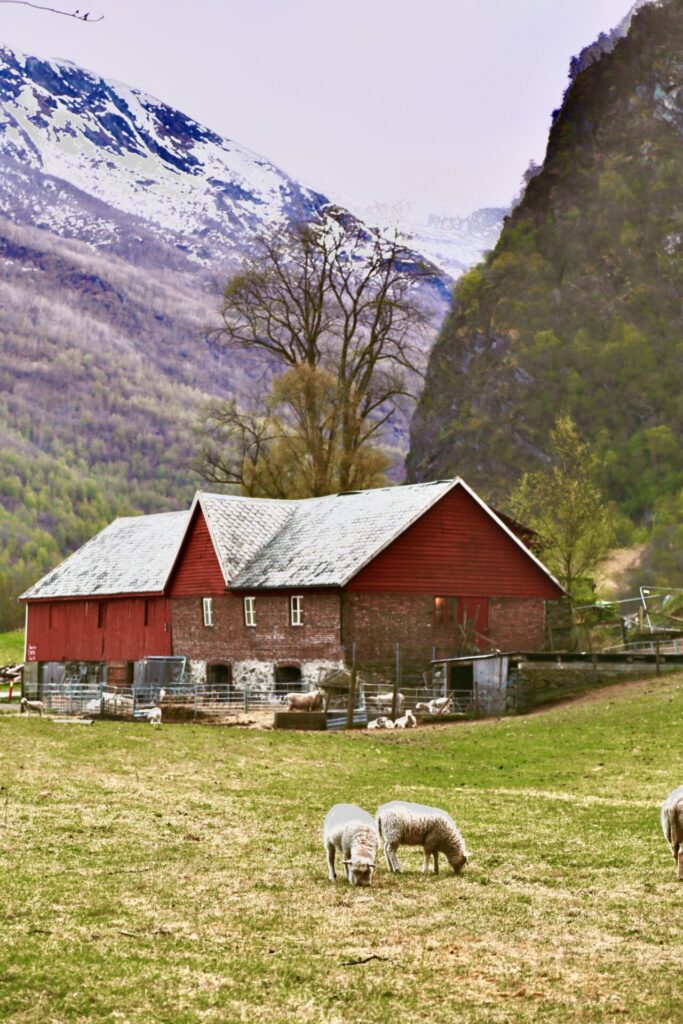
(11, 647)
(177, 874)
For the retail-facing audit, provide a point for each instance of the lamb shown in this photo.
(672, 826)
(27, 706)
(350, 831)
(407, 721)
(305, 701)
(154, 716)
(405, 824)
(381, 723)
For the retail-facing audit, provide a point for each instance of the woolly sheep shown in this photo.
(384, 701)
(381, 723)
(154, 716)
(407, 721)
(27, 706)
(305, 701)
(350, 831)
(672, 826)
(405, 824)
(433, 707)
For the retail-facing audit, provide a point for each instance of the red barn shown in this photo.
(255, 590)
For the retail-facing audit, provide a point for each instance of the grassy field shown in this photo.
(12, 647)
(177, 875)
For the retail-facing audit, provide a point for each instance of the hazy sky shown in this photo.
(442, 102)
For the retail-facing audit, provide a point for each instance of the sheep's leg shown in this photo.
(331, 873)
(680, 866)
(425, 862)
(392, 859)
(436, 862)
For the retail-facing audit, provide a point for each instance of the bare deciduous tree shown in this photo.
(342, 302)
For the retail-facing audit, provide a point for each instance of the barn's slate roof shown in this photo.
(261, 543)
(130, 556)
(240, 527)
(325, 541)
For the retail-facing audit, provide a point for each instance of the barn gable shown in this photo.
(197, 570)
(458, 547)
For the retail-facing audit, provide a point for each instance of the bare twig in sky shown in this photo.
(86, 16)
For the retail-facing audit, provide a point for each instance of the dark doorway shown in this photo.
(461, 677)
(219, 678)
(289, 676)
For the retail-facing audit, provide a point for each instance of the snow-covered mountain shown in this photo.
(110, 159)
(451, 241)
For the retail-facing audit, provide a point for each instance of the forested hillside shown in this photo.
(579, 306)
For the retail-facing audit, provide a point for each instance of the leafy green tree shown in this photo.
(564, 505)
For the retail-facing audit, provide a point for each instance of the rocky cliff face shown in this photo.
(579, 306)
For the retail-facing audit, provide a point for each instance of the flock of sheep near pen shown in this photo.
(356, 836)
(313, 701)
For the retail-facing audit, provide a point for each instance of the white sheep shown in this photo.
(407, 721)
(154, 716)
(27, 706)
(383, 702)
(672, 825)
(305, 701)
(350, 831)
(433, 707)
(405, 824)
(381, 723)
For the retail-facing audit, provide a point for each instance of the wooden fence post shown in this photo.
(397, 683)
(658, 668)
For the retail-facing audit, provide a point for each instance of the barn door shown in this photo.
(473, 617)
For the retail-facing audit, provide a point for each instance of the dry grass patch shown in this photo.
(178, 875)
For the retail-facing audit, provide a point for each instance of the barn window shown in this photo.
(445, 611)
(101, 614)
(146, 612)
(296, 611)
(207, 610)
(250, 611)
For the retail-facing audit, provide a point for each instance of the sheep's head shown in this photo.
(361, 870)
(457, 861)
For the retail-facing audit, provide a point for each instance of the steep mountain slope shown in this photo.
(578, 307)
(120, 220)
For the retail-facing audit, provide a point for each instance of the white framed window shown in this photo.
(207, 610)
(250, 611)
(296, 611)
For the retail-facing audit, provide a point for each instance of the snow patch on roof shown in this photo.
(131, 555)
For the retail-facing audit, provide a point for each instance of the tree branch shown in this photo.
(55, 10)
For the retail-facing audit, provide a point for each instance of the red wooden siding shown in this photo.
(197, 572)
(455, 548)
(69, 630)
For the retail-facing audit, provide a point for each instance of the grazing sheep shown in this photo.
(383, 702)
(27, 706)
(305, 701)
(672, 826)
(154, 716)
(407, 721)
(405, 824)
(350, 831)
(433, 707)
